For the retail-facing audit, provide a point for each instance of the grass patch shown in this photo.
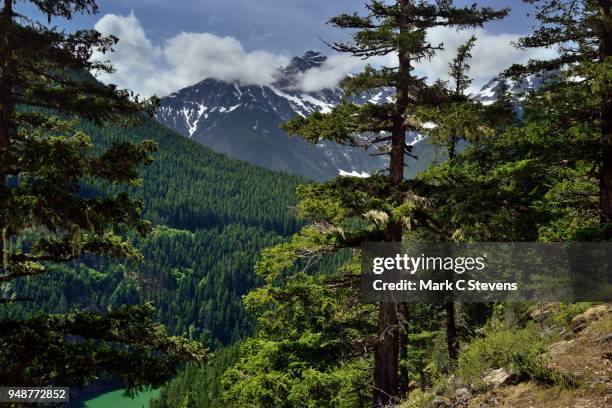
(418, 399)
(567, 311)
(603, 326)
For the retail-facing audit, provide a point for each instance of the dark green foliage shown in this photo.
(191, 187)
(576, 25)
(533, 182)
(582, 32)
(199, 385)
(70, 349)
(46, 222)
(212, 216)
(309, 350)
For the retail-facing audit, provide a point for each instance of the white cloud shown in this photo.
(492, 54)
(183, 60)
(134, 56)
(330, 73)
(188, 58)
(195, 56)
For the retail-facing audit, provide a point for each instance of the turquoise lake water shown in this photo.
(115, 399)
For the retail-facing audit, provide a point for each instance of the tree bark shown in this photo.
(404, 380)
(451, 331)
(7, 105)
(386, 356)
(605, 178)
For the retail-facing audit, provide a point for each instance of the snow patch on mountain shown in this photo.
(494, 89)
(304, 104)
(353, 173)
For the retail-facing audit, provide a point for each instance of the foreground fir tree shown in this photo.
(46, 218)
(581, 31)
(538, 179)
(398, 27)
(454, 120)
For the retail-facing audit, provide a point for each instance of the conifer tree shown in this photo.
(46, 217)
(456, 119)
(398, 27)
(581, 31)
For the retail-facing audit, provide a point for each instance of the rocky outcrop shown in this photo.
(499, 377)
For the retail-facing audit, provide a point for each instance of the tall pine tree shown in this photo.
(389, 28)
(456, 119)
(581, 31)
(45, 216)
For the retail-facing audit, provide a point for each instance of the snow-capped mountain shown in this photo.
(493, 89)
(243, 121)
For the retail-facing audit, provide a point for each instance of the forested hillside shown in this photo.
(211, 214)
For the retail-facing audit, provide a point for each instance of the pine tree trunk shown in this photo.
(449, 307)
(385, 356)
(404, 380)
(451, 331)
(387, 350)
(7, 105)
(605, 179)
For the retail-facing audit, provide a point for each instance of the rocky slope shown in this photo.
(579, 355)
(584, 352)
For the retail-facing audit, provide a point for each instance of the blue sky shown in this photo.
(287, 26)
(284, 26)
(166, 45)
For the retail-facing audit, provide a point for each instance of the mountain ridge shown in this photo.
(243, 120)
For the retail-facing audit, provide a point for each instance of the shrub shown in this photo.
(533, 368)
(418, 399)
(497, 349)
(516, 350)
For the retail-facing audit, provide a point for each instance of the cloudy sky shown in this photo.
(166, 45)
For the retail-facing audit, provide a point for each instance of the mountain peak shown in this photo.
(491, 91)
(311, 59)
(314, 57)
(286, 79)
